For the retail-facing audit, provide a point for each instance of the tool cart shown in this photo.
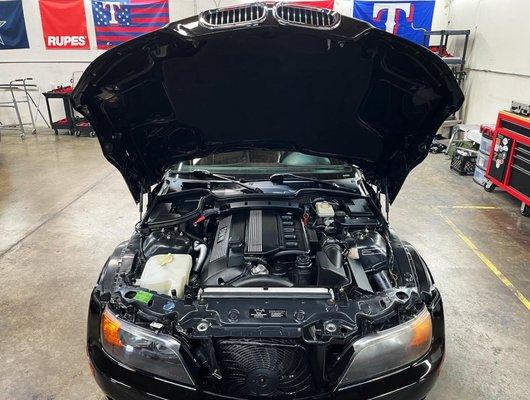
(509, 160)
(73, 124)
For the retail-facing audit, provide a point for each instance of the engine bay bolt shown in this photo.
(233, 315)
(202, 326)
(299, 315)
(168, 307)
(330, 327)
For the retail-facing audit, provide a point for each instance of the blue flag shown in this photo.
(408, 19)
(12, 25)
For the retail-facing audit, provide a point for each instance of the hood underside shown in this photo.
(351, 92)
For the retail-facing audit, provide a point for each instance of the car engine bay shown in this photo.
(326, 242)
(307, 275)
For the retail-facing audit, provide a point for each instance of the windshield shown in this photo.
(266, 162)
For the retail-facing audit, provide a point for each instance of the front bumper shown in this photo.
(120, 382)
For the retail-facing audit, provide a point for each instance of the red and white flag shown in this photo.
(329, 4)
(119, 21)
(64, 24)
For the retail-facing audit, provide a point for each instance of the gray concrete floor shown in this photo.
(63, 209)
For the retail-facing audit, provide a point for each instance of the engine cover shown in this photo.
(258, 233)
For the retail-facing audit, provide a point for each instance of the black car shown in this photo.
(267, 142)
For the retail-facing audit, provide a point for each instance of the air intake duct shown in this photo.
(331, 272)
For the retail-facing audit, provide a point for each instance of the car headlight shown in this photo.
(142, 349)
(389, 349)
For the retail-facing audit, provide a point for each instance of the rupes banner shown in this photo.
(408, 19)
(64, 24)
(119, 21)
(12, 26)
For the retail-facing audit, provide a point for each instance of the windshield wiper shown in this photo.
(280, 178)
(205, 174)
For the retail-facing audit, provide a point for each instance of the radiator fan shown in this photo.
(264, 368)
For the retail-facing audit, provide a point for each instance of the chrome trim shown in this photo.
(520, 169)
(303, 19)
(249, 20)
(263, 292)
(524, 151)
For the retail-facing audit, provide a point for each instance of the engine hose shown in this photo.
(203, 251)
(382, 280)
(283, 253)
(197, 239)
(258, 260)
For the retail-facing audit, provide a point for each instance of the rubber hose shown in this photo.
(203, 250)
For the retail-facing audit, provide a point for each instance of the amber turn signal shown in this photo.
(110, 330)
(421, 331)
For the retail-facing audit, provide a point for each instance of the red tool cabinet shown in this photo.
(509, 160)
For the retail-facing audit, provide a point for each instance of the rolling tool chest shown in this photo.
(509, 159)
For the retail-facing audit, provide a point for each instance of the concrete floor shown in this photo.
(63, 209)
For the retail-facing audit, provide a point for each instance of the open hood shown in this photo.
(234, 79)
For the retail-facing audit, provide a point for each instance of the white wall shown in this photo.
(499, 57)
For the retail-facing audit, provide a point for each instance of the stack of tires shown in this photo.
(483, 155)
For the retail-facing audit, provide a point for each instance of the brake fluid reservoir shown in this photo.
(324, 209)
(165, 272)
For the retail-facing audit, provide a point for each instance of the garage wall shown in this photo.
(499, 60)
(51, 68)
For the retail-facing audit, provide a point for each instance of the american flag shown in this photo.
(118, 21)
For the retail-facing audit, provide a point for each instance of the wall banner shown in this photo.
(119, 21)
(12, 26)
(329, 4)
(64, 24)
(408, 19)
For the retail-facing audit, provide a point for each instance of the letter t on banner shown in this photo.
(392, 9)
(64, 24)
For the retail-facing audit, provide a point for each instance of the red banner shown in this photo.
(64, 24)
(318, 3)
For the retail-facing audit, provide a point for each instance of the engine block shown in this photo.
(252, 233)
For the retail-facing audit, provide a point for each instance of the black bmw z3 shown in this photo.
(264, 144)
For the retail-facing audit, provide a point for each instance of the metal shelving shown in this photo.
(455, 62)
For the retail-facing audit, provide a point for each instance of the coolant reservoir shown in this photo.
(165, 272)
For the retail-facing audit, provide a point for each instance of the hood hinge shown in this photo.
(141, 202)
(387, 201)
